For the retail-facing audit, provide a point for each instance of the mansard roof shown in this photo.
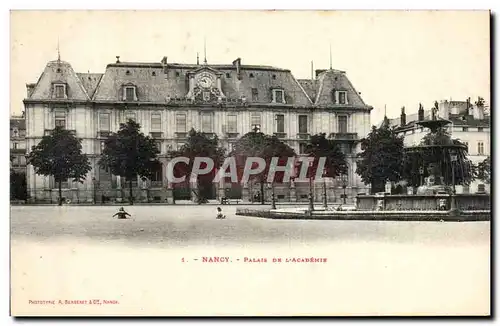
(335, 80)
(161, 82)
(157, 82)
(59, 71)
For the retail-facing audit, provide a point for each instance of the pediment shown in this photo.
(205, 69)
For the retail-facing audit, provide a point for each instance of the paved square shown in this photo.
(377, 266)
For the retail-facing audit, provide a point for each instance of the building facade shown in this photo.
(18, 144)
(168, 99)
(469, 124)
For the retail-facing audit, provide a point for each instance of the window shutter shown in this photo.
(124, 93)
(334, 96)
(135, 93)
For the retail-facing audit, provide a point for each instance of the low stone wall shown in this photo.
(422, 202)
(478, 215)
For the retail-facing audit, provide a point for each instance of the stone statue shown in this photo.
(434, 111)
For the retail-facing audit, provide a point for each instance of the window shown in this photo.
(280, 123)
(342, 121)
(255, 95)
(251, 75)
(342, 97)
(302, 124)
(104, 121)
(480, 148)
(60, 119)
(158, 145)
(206, 122)
(278, 96)
(103, 146)
(228, 75)
(180, 122)
(465, 128)
(129, 93)
(480, 129)
(302, 148)
(153, 73)
(177, 74)
(14, 145)
(60, 91)
(157, 175)
(156, 121)
(232, 123)
(255, 120)
(274, 76)
(130, 116)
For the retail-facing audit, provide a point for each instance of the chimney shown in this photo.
(403, 116)
(29, 89)
(420, 112)
(478, 112)
(237, 64)
(319, 71)
(117, 59)
(444, 110)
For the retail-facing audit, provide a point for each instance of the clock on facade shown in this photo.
(205, 80)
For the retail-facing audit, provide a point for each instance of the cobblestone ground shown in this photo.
(152, 263)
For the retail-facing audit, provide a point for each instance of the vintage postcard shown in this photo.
(250, 163)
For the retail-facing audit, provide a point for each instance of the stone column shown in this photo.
(193, 184)
(293, 193)
(222, 189)
(170, 192)
(245, 193)
(144, 189)
(118, 189)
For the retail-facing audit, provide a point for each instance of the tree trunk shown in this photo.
(130, 194)
(60, 192)
(262, 201)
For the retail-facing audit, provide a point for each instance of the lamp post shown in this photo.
(421, 172)
(453, 159)
(310, 196)
(273, 197)
(95, 192)
(344, 185)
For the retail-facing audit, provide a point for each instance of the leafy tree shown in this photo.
(258, 144)
(128, 153)
(381, 159)
(60, 155)
(319, 146)
(484, 170)
(18, 187)
(199, 144)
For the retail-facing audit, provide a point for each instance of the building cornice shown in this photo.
(191, 104)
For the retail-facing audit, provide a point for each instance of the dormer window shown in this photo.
(278, 96)
(340, 97)
(129, 93)
(60, 91)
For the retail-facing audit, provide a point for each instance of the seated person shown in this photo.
(121, 213)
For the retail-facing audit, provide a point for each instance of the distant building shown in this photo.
(168, 99)
(18, 143)
(469, 124)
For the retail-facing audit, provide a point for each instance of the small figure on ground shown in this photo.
(220, 216)
(121, 213)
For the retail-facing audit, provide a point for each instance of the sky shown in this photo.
(394, 58)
